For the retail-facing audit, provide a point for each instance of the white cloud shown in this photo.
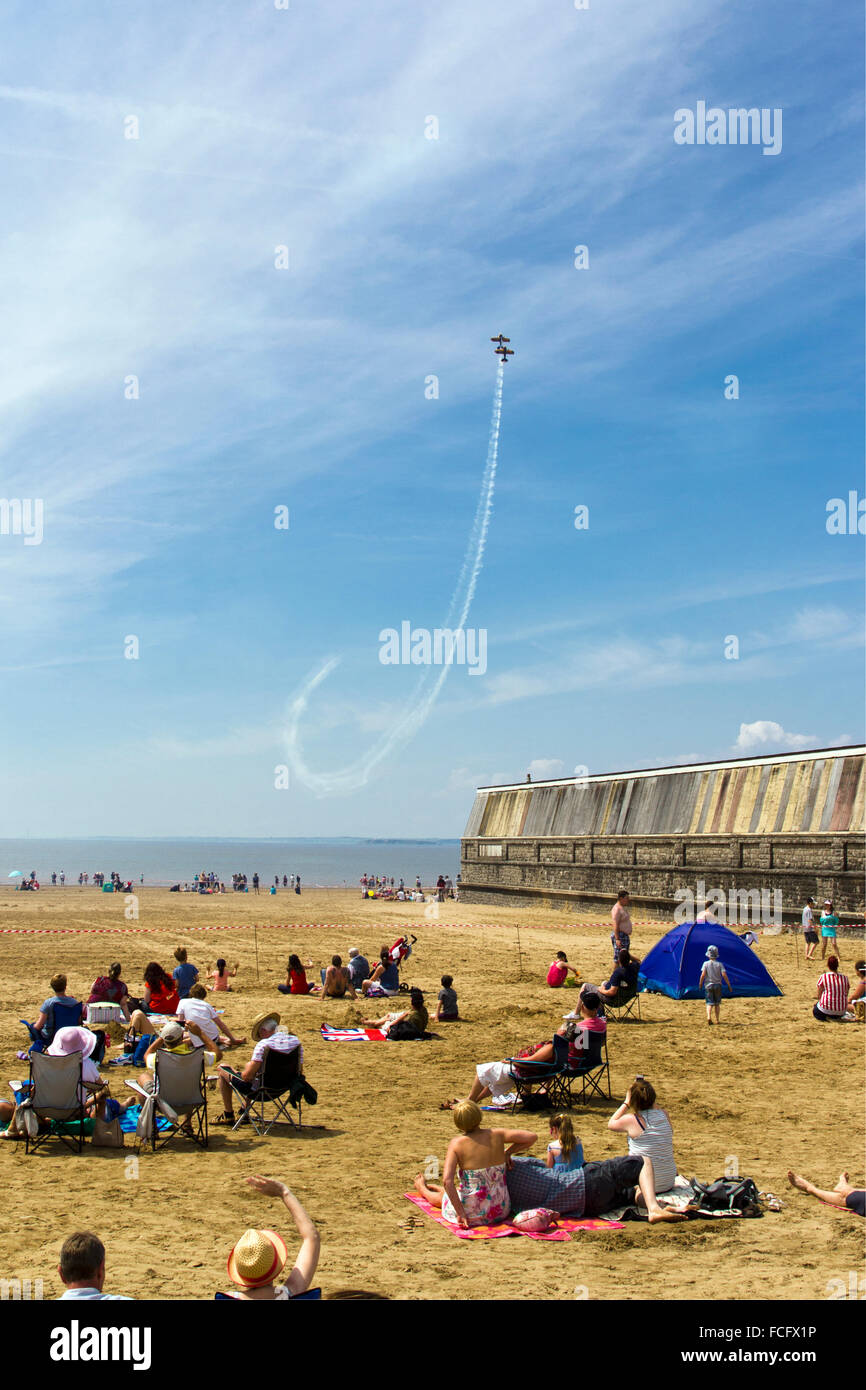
(767, 734)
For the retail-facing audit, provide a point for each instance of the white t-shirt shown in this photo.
(185, 1050)
(204, 1014)
(807, 919)
(282, 1042)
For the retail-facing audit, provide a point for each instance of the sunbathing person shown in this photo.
(474, 1191)
(42, 1031)
(260, 1256)
(649, 1130)
(842, 1195)
(404, 1026)
(160, 991)
(196, 1009)
(385, 979)
(337, 982)
(110, 989)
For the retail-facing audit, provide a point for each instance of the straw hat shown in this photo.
(257, 1258)
(260, 1019)
(69, 1040)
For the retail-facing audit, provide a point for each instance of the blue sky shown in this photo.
(305, 387)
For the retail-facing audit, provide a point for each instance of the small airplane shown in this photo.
(501, 350)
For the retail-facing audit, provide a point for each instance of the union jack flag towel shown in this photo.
(352, 1034)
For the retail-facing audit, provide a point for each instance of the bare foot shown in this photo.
(843, 1182)
(796, 1181)
(664, 1215)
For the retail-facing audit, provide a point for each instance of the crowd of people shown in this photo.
(374, 886)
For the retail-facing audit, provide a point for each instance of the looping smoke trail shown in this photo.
(427, 692)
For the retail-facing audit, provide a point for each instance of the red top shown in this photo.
(556, 974)
(162, 1002)
(834, 992)
(298, 981)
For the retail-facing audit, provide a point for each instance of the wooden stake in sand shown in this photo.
(256, 941)
(519, 956)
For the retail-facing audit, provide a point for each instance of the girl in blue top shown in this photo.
(565, 1151)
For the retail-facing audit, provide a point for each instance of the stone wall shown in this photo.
(585, 871)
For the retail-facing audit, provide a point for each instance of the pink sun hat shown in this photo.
(69, 1040)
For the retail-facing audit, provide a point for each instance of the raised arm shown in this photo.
(622, 1121)
(308, 1256)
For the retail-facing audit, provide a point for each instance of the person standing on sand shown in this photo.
(298, 885)
(829, 923)
(711, 983)
(810, 936)
(620, 937)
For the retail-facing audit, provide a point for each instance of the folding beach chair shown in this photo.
(525, 1073)
(590, 1071)
(179, 1095)
(623, 1004)
(280, 1083)
(56, 1094)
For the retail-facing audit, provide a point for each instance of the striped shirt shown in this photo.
(279, 1042)
(656, 1143)
(834, 992)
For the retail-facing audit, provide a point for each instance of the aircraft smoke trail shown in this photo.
(427, 692)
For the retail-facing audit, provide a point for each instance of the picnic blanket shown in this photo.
(352, 1034)
(562, 1230)
(128, 1120)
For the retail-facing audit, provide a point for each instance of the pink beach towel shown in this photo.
(562, 1231)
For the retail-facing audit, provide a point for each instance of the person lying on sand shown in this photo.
(842, 1195)
(590, 1191)
(414, 1018)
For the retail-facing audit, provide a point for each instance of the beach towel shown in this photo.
(128, 1120)
(563, 1229)
(352, 1034)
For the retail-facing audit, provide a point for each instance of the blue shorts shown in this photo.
(713, 994)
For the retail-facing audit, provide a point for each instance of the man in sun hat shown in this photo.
(260, 1255)
(265, 1037)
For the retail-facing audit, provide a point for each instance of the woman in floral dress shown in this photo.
(474, 1191)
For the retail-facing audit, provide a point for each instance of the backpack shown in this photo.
(728, 1197)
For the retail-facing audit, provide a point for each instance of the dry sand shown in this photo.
(771, 1087)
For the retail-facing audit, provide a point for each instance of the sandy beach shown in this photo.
(769, 1086)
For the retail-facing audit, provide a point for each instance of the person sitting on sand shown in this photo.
(385, 979)
(259, 1257)
(184, 973)
(265, 1036)
(296, 978)
(446, 1006)
(406, 1026)
(358, 967)
(82, 1269)
(622, 977)
(221, 976)
(160, 991)
(474, 1190)
(42, 1031)
(337, 982)
(565, 1150)
(842, 1195)
(832, 993)
(196, 1009)
(110, 989)
(559, 971)
(649, 1130)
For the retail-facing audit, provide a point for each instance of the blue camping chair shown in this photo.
(525, 1073)
(308, 1293)
(59, 1015)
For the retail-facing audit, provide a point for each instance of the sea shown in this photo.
(320, 863)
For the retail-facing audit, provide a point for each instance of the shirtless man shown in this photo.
(337, 982)
(620, 937)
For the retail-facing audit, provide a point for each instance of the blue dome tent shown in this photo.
(673, 966)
